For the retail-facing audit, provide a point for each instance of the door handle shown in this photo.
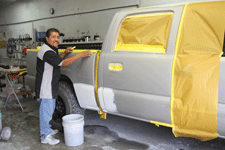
(115, 67)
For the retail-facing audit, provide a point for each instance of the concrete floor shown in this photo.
(25, 131)
(114, 133)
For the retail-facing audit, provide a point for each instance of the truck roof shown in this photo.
(181, 4)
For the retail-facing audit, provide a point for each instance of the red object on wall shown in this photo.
(24, 51)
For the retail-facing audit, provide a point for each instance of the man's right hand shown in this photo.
(86, 54)
(69, 61)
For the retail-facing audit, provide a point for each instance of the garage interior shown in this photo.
(23, 25)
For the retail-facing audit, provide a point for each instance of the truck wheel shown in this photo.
(66, 103)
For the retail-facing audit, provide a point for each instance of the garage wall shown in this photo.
(19, 29)
(27, 10)
(74, 25)
(71, 17)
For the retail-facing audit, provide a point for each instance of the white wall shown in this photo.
(71, 17)
(24, 10)
(73, 26)
(19, 29)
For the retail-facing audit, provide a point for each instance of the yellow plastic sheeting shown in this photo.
(146, 33)
(194, 92)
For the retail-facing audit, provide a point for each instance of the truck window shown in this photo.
(144, 33)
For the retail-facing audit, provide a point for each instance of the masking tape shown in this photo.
(79, 50)
(115, 66)
(173, 68)
(101, 112)
(32, 50)
(158, 14)
(62, 50)
(140, 48)
(162, 124)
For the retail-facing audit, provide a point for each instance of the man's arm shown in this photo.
(63, 54)
(69, 61)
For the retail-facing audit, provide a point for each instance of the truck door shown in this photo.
(137, 69)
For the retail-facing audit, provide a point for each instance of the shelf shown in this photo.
(22, 59)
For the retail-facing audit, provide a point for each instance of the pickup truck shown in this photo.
(162, 65)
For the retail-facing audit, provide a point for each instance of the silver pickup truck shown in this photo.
(162, 65)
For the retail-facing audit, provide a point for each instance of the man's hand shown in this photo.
(69, 61)
(68, 50)
(85, 54)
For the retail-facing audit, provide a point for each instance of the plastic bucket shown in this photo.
(73, 126)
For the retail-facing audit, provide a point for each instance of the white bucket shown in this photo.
(73, 126)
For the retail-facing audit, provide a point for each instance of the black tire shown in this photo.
(66, 103)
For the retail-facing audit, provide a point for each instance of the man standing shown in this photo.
(47, 80)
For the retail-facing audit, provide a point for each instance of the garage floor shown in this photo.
(25, 131)
(114, 133)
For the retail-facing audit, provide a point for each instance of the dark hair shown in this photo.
(51, 30)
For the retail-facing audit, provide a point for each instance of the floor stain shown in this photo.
(102, 136)
(32, 121)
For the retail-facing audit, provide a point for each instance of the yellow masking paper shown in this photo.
(194, 92)
(145, 33)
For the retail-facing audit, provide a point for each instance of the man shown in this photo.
(47, 80)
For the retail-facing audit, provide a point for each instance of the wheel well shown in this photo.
(64, 78)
